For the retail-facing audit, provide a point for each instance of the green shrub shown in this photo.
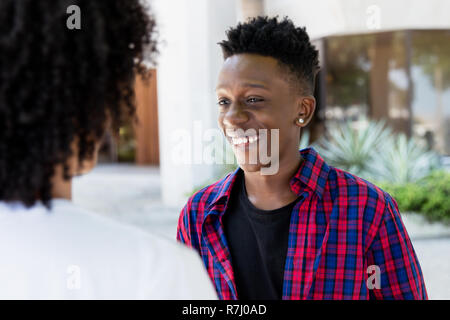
(354, 147)
(409, 197)
(437, 189)
(403, 160)
(430, 196)
(371, 151)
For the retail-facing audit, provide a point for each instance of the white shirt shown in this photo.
(70, 253)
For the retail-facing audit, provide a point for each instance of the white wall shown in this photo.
(330, 17)
(187, 70)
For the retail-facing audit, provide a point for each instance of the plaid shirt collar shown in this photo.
(312, 174)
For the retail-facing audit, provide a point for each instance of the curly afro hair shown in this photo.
(281, 40)
(59, 85)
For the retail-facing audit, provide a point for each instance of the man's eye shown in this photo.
(222, 102)
(254, 100)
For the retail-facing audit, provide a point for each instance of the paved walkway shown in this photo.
(127, 193)
(131, 194)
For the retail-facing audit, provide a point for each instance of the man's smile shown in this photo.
(241, 138)
(243, 141)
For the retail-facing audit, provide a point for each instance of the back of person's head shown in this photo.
(61, 87)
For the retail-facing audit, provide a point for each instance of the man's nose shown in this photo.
(235, 115)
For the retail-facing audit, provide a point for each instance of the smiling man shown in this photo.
(307, 230)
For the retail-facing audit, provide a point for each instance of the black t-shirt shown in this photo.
(258, 242)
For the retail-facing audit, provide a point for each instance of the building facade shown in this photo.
(380, 59)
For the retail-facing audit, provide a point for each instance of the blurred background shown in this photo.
(383, 113)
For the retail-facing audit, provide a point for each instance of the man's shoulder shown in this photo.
(102, 232)
(345, 179)
(358, 202)
(166, 269)
(140, 261)
(350, 187)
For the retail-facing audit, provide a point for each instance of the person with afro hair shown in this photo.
(285, 224)
(61, 89)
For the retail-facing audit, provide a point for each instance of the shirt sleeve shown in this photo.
(193, 280)
(392, 255)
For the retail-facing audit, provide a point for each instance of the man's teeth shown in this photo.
(243, 140)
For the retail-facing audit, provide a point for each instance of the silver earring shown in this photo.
(300, 120)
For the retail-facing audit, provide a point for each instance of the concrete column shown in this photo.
(249, 8)
(188, 66)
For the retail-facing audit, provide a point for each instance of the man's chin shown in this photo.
(250, 167)
(269, 169)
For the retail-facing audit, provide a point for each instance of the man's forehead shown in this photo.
(248, 70)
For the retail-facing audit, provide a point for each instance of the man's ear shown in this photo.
(306, 106)
(88, 164)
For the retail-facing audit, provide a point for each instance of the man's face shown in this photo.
(253, 92)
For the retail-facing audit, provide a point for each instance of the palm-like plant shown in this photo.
(402, 161)
(374, 153)
(352, 148)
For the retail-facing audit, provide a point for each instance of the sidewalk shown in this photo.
(130, 194)
(431, 242)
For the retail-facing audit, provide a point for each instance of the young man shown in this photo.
(308, 231)
(59, 89)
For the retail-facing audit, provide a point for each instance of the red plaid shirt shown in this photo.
(342, 225)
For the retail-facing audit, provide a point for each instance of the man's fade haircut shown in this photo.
(59, 85)
(279, 39)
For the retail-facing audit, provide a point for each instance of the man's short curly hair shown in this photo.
(279, 39)
(58, 85)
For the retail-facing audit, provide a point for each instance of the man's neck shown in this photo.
(270, 192)
(61, 188)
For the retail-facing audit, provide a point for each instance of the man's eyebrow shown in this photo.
(255, 85)
(247, 85)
